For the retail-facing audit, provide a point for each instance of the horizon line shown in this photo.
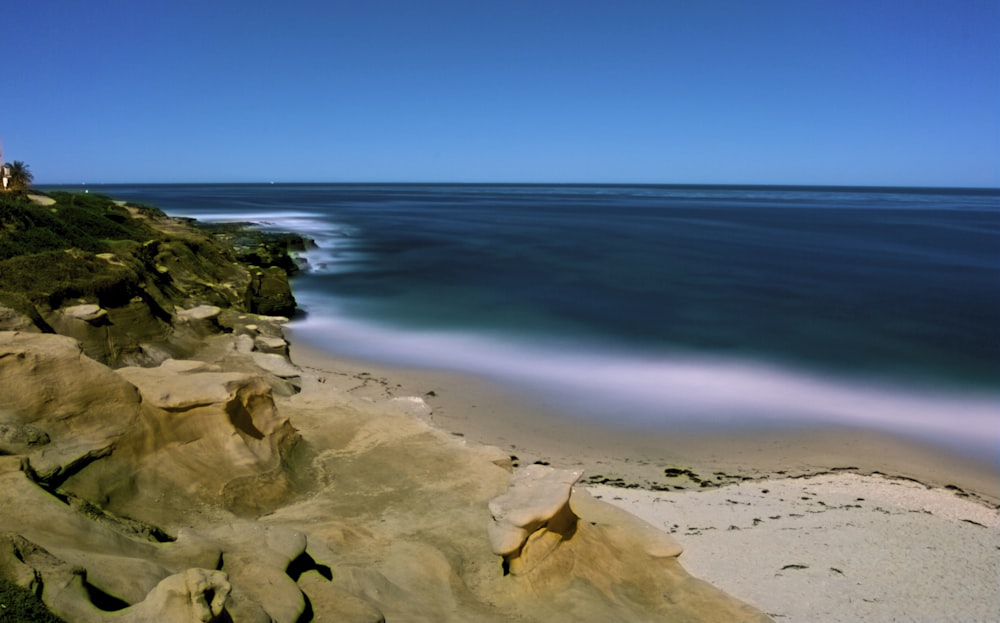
(486, 183)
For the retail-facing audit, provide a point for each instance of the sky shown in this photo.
(846, 92)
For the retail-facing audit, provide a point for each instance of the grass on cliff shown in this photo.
(48, 253)
(88, 248)
(19, 605)
(85, 222)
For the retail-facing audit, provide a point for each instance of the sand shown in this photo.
(834, 525)
(486, 412)
(836, 548)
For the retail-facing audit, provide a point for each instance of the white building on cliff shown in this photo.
(4, 170)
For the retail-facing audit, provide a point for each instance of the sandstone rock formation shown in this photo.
(533, 516)
(13, 320)
(182, 491)
(102, 455)
(193, 595)
(79, 404)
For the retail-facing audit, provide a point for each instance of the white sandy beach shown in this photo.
(836, 547)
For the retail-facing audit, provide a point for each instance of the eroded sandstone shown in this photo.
(361, 511)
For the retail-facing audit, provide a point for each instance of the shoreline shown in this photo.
(808, 527)
(490, 413)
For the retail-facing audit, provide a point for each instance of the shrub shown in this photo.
(75, 221)
(19, 605)
(58, 276)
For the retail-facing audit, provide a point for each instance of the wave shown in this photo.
(672, 392)
(332, 252)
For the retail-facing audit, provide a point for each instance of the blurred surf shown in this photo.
(660, 305)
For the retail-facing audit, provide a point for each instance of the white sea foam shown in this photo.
(676, 391)
(288, 220)
(332, 250)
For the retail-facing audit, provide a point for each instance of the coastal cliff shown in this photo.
(133, 285)
(163, 458)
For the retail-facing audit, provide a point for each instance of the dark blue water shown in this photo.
(660, 306)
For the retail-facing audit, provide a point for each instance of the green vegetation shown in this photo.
(21, 176)
(59, 276)
(85, 222)
(136, 263)
(19, 605)
(50, 253)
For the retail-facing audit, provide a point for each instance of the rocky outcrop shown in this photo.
(86, 312)
(201, 320)
(185, 426)
(192, 595)
(141, 286)
(532, 517)
(13, 320)
(52, 388)
(269, 293)
(204, 433)
(182, 491)
(103, 459)
(556, 540)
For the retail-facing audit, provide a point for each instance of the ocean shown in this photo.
(688, 308)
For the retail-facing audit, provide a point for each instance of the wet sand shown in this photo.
(531, 430)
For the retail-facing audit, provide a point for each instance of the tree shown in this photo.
(21, 176)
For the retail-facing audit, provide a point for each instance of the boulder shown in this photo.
(201, 319)
(243, 344)
(192, 596)
(13, 320)
(80, 405)
(206, 432)
(269, 293)
(179, 385)
(126, 333)
(278, 365)
(271, 345)
(199, 313)
(237, 352)
(533, 516)
(88, 312)
(258, 559)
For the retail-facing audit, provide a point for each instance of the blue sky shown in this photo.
(868, 92)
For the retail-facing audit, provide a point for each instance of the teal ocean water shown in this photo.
(671, 307)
